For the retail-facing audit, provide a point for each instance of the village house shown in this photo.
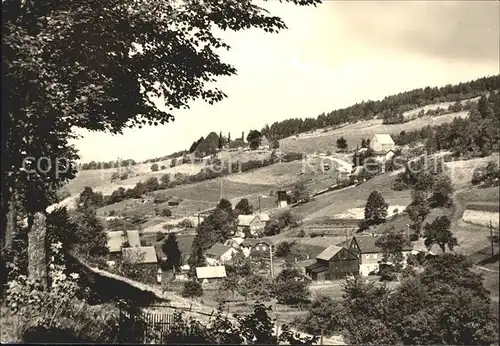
(382, 143)
(219, 254)
(250, 245)
(234, 242)
(368, 253)
(335, 262)
(117, 239)
(250, 225)
(211, 273)
(145, 256)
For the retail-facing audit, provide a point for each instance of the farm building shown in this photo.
(250, 224)
(382, 143)
(214, 273)
(368, 253)
(133, 238)
(334, 262)
(219, 254)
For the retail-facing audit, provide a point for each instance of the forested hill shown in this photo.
(390, 106)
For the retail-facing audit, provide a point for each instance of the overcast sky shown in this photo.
(331, 57)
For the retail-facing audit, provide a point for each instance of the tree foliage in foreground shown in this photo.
(444, 304)
(95, 65)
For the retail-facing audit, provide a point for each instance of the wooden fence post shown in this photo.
(321, 338)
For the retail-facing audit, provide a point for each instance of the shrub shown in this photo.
(124, 176)
(301, 233)
(163, 167)
(185, 224)
(42, 315)
(192, 289)
(154, 167)
(166, 212)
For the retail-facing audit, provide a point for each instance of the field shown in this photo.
(461, 171)
(337, 202)
(353, 133)
(482, 218)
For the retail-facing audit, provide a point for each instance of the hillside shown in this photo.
(327, 141)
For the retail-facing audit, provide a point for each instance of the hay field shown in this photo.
(482, 218)
(359, 213)
(339, 201)
(353, 133)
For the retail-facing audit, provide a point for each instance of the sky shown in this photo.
(330, 57)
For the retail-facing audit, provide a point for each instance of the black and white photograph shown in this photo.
(245, 172)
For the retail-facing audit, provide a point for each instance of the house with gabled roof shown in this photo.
(139, 255)
(368, 253)
(219, 254)
(335, 262)
(250, 224)
(250, 245)
(382, 143)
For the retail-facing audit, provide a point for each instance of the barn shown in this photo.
(334, 262)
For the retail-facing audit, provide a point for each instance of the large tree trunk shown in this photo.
(37, 251)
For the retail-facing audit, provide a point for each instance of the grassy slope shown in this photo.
(337, 202)
(353, 133)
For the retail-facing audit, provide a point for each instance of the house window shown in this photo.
(375, 256)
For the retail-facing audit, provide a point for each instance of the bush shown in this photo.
(166, 212)
(124, 176)
(301, 234)
(163, 167)
(154, 167)
(192, 289)
(42, 315)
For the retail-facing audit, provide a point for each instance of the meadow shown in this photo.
(354, 133)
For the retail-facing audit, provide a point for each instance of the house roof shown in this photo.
(329, 252)
(215, 272)
(367, 244)
(234, 240)
(139, 255)
(357, 170)
(133, 238)
(245, 220)
(263, 217)
(115, 240)
(217, 250)
(384, 138)
(251, 242)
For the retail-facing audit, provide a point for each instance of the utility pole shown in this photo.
(260, 211)
(198, 217)
(221, 189)
(271, 260)
(491, 240)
